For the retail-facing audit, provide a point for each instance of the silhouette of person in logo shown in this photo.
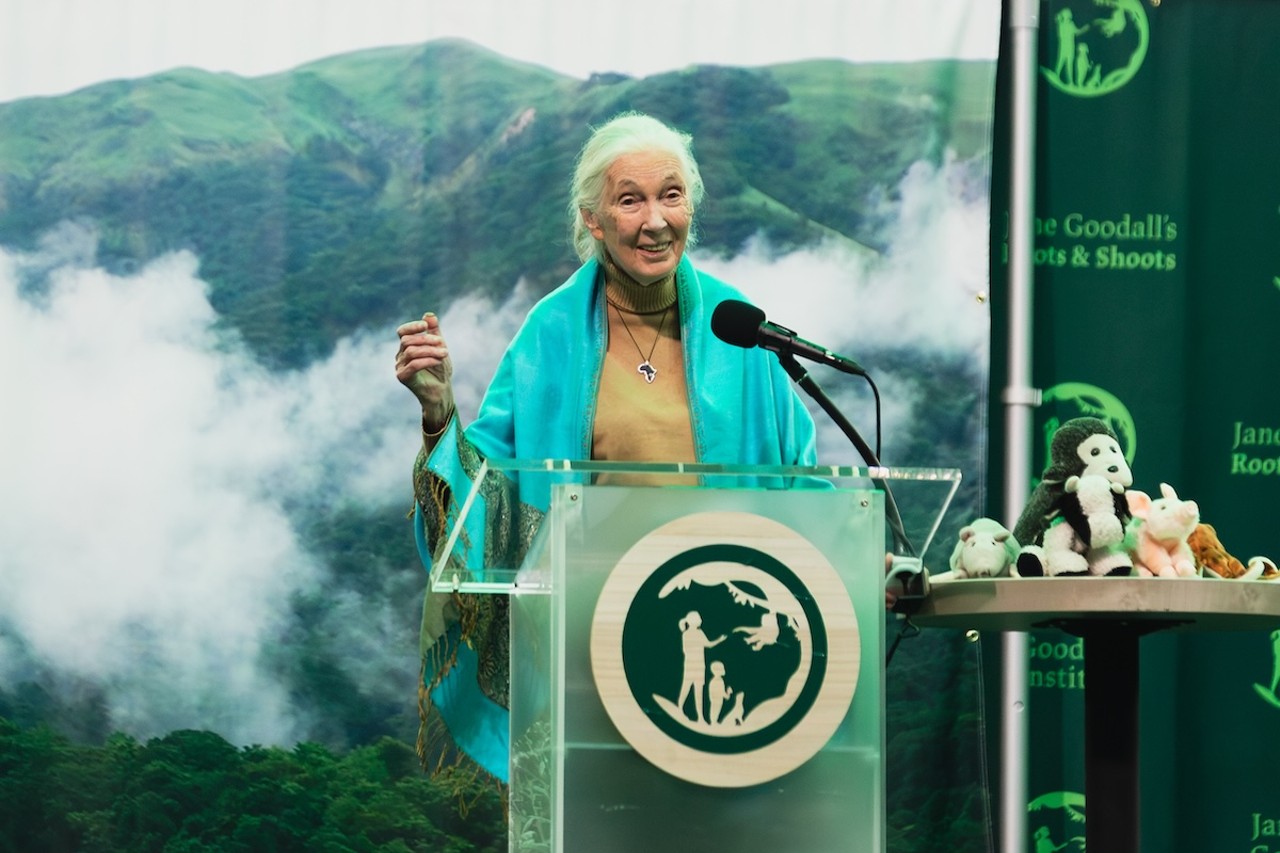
(695, 644)
(1067, 34)
(1083, 66)
(717, 691)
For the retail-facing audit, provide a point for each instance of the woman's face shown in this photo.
(644, 216)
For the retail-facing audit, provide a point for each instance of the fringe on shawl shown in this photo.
(438, 753)
(441, 758)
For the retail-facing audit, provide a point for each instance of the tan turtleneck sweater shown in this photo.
(638, 420)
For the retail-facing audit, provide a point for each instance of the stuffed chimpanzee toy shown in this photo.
(1072, 524)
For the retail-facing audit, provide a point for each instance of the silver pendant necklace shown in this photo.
(644, 368)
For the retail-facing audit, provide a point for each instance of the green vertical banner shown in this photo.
(1156, 308)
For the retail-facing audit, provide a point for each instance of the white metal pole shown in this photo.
(1019, 399)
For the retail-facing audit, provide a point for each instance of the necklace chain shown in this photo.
(645, 368)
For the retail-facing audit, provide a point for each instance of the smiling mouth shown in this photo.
(656, 249)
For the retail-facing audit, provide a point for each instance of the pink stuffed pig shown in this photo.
(1159, 532)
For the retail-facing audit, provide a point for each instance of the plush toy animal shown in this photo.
(1159, 533)
(1088, 539)
(985, 549)
(1215, 562)
(1092, 540)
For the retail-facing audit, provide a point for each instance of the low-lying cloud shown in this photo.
(149, 466)
(153, 470)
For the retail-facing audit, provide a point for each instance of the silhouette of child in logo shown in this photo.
(717, 691)
(695, 644)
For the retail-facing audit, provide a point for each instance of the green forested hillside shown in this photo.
(193, 791)
(356, 189)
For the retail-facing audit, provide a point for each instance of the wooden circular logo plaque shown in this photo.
(725, 649)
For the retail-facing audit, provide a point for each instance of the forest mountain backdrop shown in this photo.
(335, 196)
(319, 207)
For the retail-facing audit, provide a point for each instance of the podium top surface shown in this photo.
(1080, 604)
(694, 470)
(498, 541)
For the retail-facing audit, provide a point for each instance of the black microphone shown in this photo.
(743, 325)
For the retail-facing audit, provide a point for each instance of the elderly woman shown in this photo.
(615, 364)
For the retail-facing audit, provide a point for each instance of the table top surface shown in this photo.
(1076, 603)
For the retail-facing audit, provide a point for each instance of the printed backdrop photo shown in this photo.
(212, 218)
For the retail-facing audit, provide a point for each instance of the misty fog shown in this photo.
(155, 474)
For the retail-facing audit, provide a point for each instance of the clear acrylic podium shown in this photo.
(577, 782)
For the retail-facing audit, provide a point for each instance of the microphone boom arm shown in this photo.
(902, 545)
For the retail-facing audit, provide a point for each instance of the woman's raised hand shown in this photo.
(424, 367)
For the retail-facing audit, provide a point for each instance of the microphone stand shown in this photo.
(907, 566)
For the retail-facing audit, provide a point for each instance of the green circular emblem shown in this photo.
(1068, 400)
(746, 638)
(725, 648)
(1057, 821)
(1092, 47)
